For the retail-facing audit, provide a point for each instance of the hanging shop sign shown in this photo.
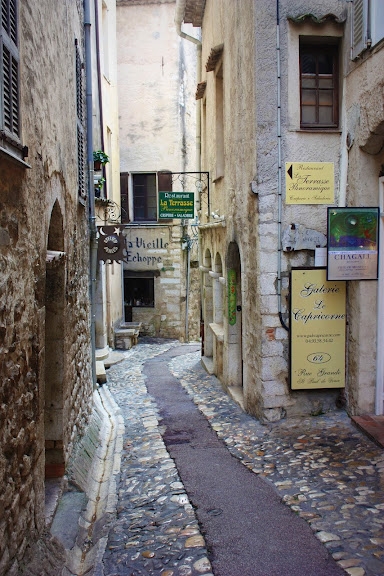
(176, 205)
(317, 330)
(353, 243)
(111, 243)
(309, 183)
(232, 297)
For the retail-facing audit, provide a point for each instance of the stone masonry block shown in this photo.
(267, 284)
(268, 304)
(272, 348)
(274, 388)
(273, 367)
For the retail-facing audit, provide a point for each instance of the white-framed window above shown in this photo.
(367, 25)
(139, 194)
(319, 82)
(144, 195)
(10, 110)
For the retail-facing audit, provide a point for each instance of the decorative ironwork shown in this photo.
(108, 211)
(197, 182)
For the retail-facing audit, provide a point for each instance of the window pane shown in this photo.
(318, 83)
(308, 82)
(326, 98)
(325, 63)
(144, 196)
(325, 82)
(308, 64)
(325, 115)
(308, 97)
(308, 114)
(139, 292)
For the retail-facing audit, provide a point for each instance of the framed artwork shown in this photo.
(353, 243)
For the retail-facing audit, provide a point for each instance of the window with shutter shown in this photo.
(144, 197)
(319, 84)
(80, 128)
(376, 16)
(10, 120)
(124, 200)
(164, 184)
(359, 27)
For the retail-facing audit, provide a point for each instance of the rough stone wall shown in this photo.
(276, 398)
(156, 250)
(248, 34)
(27, 198)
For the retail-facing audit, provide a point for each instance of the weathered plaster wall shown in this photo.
(156, 83)
(27, 197)
(106, 137)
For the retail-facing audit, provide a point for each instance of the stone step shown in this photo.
(101, 375)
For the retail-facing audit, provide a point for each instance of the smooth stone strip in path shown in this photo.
(248, 530)
(155, 531)
(322, 468)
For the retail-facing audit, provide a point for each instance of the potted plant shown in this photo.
(98, 183)
(100, 159)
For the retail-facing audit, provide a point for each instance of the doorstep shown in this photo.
(372, 426)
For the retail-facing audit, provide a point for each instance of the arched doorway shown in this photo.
(207, 311)
(234, 359)
(54, 347)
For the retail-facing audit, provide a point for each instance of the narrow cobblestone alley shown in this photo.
(206, 489)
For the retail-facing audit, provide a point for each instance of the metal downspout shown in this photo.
(91, 190)
(279, 168)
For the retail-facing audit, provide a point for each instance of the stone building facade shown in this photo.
(45, 346)
(280, 85)
(109, 301)
(156, 85)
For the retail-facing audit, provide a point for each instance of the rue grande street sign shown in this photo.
(176, 205)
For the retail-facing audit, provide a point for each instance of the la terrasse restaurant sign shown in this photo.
(317, 330)
(176, 205)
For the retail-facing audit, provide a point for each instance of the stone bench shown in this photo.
(126, 335)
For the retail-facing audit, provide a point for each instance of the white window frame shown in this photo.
(367, 25)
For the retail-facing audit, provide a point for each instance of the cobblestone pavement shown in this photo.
(324, 469)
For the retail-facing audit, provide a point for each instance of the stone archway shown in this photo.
(54, 347)
(234, 358)
(207, 311)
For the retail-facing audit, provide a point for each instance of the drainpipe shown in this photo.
(279, 168)
(91, 190)
(179, 17)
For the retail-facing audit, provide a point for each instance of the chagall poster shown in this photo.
(353, 243)
(317, 330)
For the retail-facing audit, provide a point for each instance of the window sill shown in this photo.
(12, 157)
(148, 224)
(218, 330)
(318, 130)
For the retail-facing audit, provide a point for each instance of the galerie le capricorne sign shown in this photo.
(317, 330)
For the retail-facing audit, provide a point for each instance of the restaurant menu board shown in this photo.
(317, 330)
(353, 243)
